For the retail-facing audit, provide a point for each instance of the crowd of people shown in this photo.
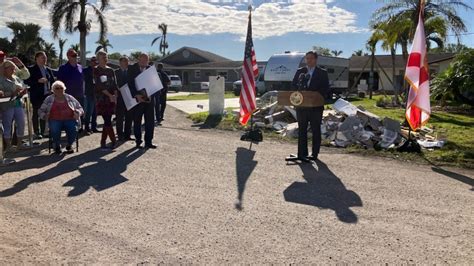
(71, 98)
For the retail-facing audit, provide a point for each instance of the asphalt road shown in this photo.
(177, 204)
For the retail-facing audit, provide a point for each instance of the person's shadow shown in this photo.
(323, 189)
(67, 165)
(103, 174)
(244, 166)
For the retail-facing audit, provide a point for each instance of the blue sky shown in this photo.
(219, 25)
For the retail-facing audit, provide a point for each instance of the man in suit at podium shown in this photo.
(310, 78)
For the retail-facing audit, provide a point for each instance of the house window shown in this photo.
(330, 70)
(222, 74)
(197, 74)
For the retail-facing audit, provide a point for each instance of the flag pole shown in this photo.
(411, 144)
(251, 114)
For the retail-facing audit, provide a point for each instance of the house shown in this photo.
(360, 65)
(195, 66)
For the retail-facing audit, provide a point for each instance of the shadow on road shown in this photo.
(66, 166)
(323, 189)
(244, 166)
(461, 178)
(103, 174)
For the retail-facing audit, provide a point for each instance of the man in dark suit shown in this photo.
(160, 97)
(145, 107)
(40, 81)
(90, 119)
(310, 78)
(121, 113)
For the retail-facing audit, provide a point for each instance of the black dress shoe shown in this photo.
(304, 159)
(150, 146)
(69, 149)
(128, 139)
(138, 146)
(95, 130)
(312, 157)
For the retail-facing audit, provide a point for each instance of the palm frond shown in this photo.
(101, 20)
(154, 40)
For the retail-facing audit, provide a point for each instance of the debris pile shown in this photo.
(347, 124)
(344, 125)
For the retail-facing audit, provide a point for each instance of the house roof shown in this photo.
(212, 65)
(358, 62)
(208, 56)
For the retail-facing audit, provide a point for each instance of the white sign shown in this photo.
(149, 80)
(129, 101)
(216, 95)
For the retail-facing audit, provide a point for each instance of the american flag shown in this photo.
(249, 73)
(417, 75)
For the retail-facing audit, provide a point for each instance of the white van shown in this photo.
(175, 83)
(260, 86)
(281, 69)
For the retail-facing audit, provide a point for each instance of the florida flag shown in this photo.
(417, 75)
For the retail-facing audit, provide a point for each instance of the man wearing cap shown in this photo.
(20, 70)
(71, 73)
(40, 82)
(90, 119)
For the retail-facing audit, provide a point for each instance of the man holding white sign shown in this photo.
(143, 85)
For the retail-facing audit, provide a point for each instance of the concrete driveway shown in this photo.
(196, 106)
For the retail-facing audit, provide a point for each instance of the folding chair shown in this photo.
(50, 142)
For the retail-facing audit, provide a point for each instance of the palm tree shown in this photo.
(436, 30)
(371, 46)
(336, 53)
(163, 43)
(359, 52)
(388, 36)
(26, 38)
(49, 49)
(76, 47)
(67, 10)
(103, 44)
(61, 49)
(408, 10)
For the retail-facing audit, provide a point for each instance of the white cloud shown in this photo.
(188, 17)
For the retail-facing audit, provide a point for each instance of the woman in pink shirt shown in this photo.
(62, 112)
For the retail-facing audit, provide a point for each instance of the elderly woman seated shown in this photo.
(62, 112)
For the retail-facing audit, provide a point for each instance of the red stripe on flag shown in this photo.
(414, 60)
(415, 117)
(424, 75)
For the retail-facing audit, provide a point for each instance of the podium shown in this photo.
(300, 99)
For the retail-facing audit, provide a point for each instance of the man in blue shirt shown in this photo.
(71, 74)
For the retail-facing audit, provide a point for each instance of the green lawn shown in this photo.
(459, 129)
(198, 96)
